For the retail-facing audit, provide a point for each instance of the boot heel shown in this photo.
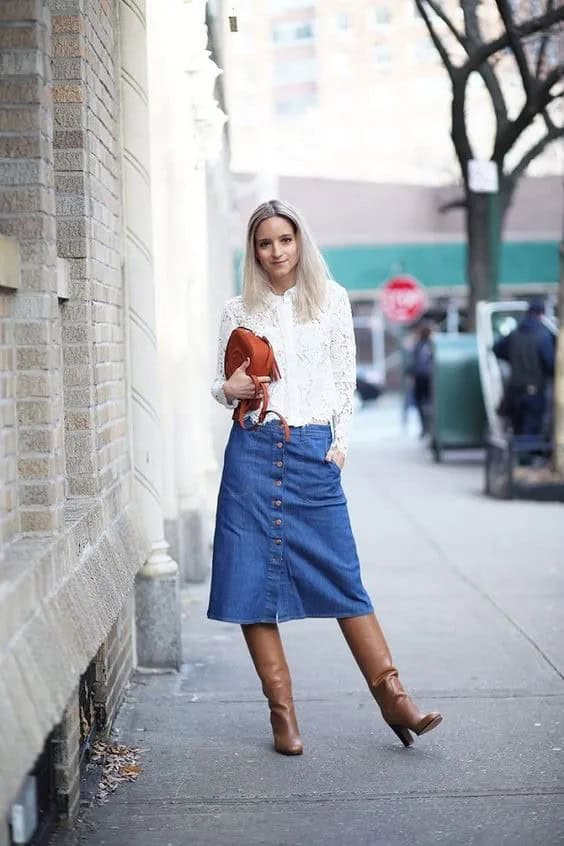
(404, 735)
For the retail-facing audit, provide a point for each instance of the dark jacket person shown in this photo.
(530, 352)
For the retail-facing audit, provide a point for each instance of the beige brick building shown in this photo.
(87, 587)
(70, 541)
(353, 90)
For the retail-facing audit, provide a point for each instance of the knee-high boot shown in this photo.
(267, 652)
(368, 645)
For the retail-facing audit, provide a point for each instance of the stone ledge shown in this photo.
(10, 275)
(59, 597)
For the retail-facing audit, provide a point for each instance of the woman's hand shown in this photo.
(336, 456)
(240, 386)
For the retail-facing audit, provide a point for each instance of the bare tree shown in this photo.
(526, 33)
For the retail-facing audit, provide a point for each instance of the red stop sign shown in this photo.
(403, 299)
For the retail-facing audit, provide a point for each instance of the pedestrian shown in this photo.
(422, 372)
(408, 400)
(283, 546)
(530, 352)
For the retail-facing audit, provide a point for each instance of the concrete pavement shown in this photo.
(469, 592)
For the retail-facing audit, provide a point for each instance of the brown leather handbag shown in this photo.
(242, 344)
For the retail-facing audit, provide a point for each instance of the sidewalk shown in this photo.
(470, 594)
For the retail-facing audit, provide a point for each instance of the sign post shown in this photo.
(483, 178)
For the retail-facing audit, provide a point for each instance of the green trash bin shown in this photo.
(458, 417)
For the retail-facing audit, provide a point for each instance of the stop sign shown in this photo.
(403, 299)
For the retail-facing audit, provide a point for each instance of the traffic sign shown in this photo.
(403, 299)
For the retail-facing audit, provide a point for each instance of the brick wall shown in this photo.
(87, 180)
(107, 257)
(8, 514)
(113, 663)
(87, 177)
(65, 748)
(27, 212)
(115, 660)
(65, 483)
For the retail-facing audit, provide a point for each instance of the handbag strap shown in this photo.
(261, 389)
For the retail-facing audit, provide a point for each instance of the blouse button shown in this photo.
(278, 482)
(278, 541)
(279, 444)
(280, 464)
(277, 503)
(278, 522)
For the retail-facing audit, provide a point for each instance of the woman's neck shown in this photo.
(280, 286)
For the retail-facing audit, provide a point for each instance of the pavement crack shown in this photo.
(346, 798)
(439, 695)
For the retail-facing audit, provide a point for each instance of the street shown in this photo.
(469, 591)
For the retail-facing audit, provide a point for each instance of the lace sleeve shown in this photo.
(226, 326)
(343, 364)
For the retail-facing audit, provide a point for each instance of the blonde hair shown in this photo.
(311, 271)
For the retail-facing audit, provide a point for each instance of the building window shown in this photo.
(424, 50)
(287, 104)
(382, 55)
(343, 22)
(284, 34)
(278, 7)
(342, 63)
(379, 16)
(293, 71)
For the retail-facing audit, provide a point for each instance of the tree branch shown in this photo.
(478, 54)
(531, 154)
(459, 132)
(536, 104)
(460, 203)
(543, 45)
(506, 13)
(487, 73)
(440, 13)
(459, 78)
(441, 49)
(549, 123)
(530, 27)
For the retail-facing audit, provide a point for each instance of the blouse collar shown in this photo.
(276, 298)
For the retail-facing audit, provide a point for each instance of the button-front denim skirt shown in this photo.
(283, 545)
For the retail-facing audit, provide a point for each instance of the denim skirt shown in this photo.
(283, 545)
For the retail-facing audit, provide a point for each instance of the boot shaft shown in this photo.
(267, 653)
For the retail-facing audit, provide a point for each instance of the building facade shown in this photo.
(355, 90)
(89, 586)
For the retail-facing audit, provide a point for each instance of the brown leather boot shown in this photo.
(267, 652)
(368, 645)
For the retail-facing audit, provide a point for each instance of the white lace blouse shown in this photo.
(317, 360)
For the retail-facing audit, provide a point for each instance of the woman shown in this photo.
(283, 546)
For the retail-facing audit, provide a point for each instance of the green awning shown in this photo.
(439, 265)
